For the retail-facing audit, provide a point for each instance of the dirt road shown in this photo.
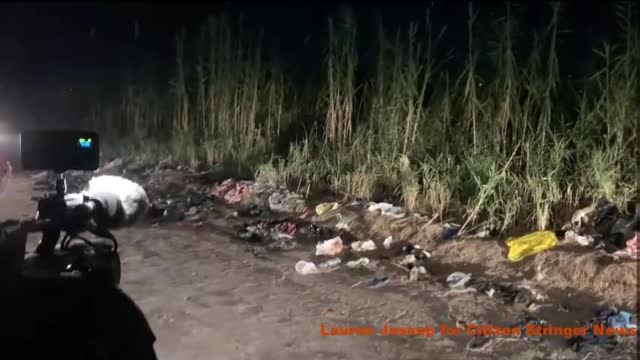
(206, 297)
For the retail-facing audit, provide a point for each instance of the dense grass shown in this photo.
(516, 146)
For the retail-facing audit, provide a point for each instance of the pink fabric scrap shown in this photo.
(222, 189)
(237, 193)
(632, 246)
(287, 228)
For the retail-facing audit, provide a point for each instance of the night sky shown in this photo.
(47, 49)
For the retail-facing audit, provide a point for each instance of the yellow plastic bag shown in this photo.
(531, 244)
(324, 207)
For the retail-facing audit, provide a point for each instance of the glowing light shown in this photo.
(84, 142)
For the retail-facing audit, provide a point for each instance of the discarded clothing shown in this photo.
(326, 207)
(531, 244)
(330, 247)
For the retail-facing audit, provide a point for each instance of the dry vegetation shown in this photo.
(508, 148)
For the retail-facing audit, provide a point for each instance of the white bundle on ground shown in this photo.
(125, 200)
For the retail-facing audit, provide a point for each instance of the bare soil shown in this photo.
(206, 297)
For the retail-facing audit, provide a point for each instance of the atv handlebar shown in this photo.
(71, 214)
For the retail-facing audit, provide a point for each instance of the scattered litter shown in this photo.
(485, 230)
(503, 293)
(321, 231)
(362, 262)
(259, 188)
(417, 251)
(237, 193)
(416, 271)
(306, 268)
(40, 177)
(608, 343)
(538, 296)
(287, 227)
(326, 207)
(530, 244)
(175, 211)
(342, 225)
(283, 242)
(114, 167)
(250, 234)
(330, 265)
(358, 203)
(330, 247)
(481, 344)
(621, 320)
(231, 191)
(252, 211)
(581, 219)
(631, 251)
(285, 201)
(388, 210)
(603, 222)
(387, 242)
(192, 211)
(361, 246)
(377, 282)
(450, 231)
(458, 280)
(196, 199)
(408, 261)
(584, 240)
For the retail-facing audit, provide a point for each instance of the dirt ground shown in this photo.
(206, 297)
